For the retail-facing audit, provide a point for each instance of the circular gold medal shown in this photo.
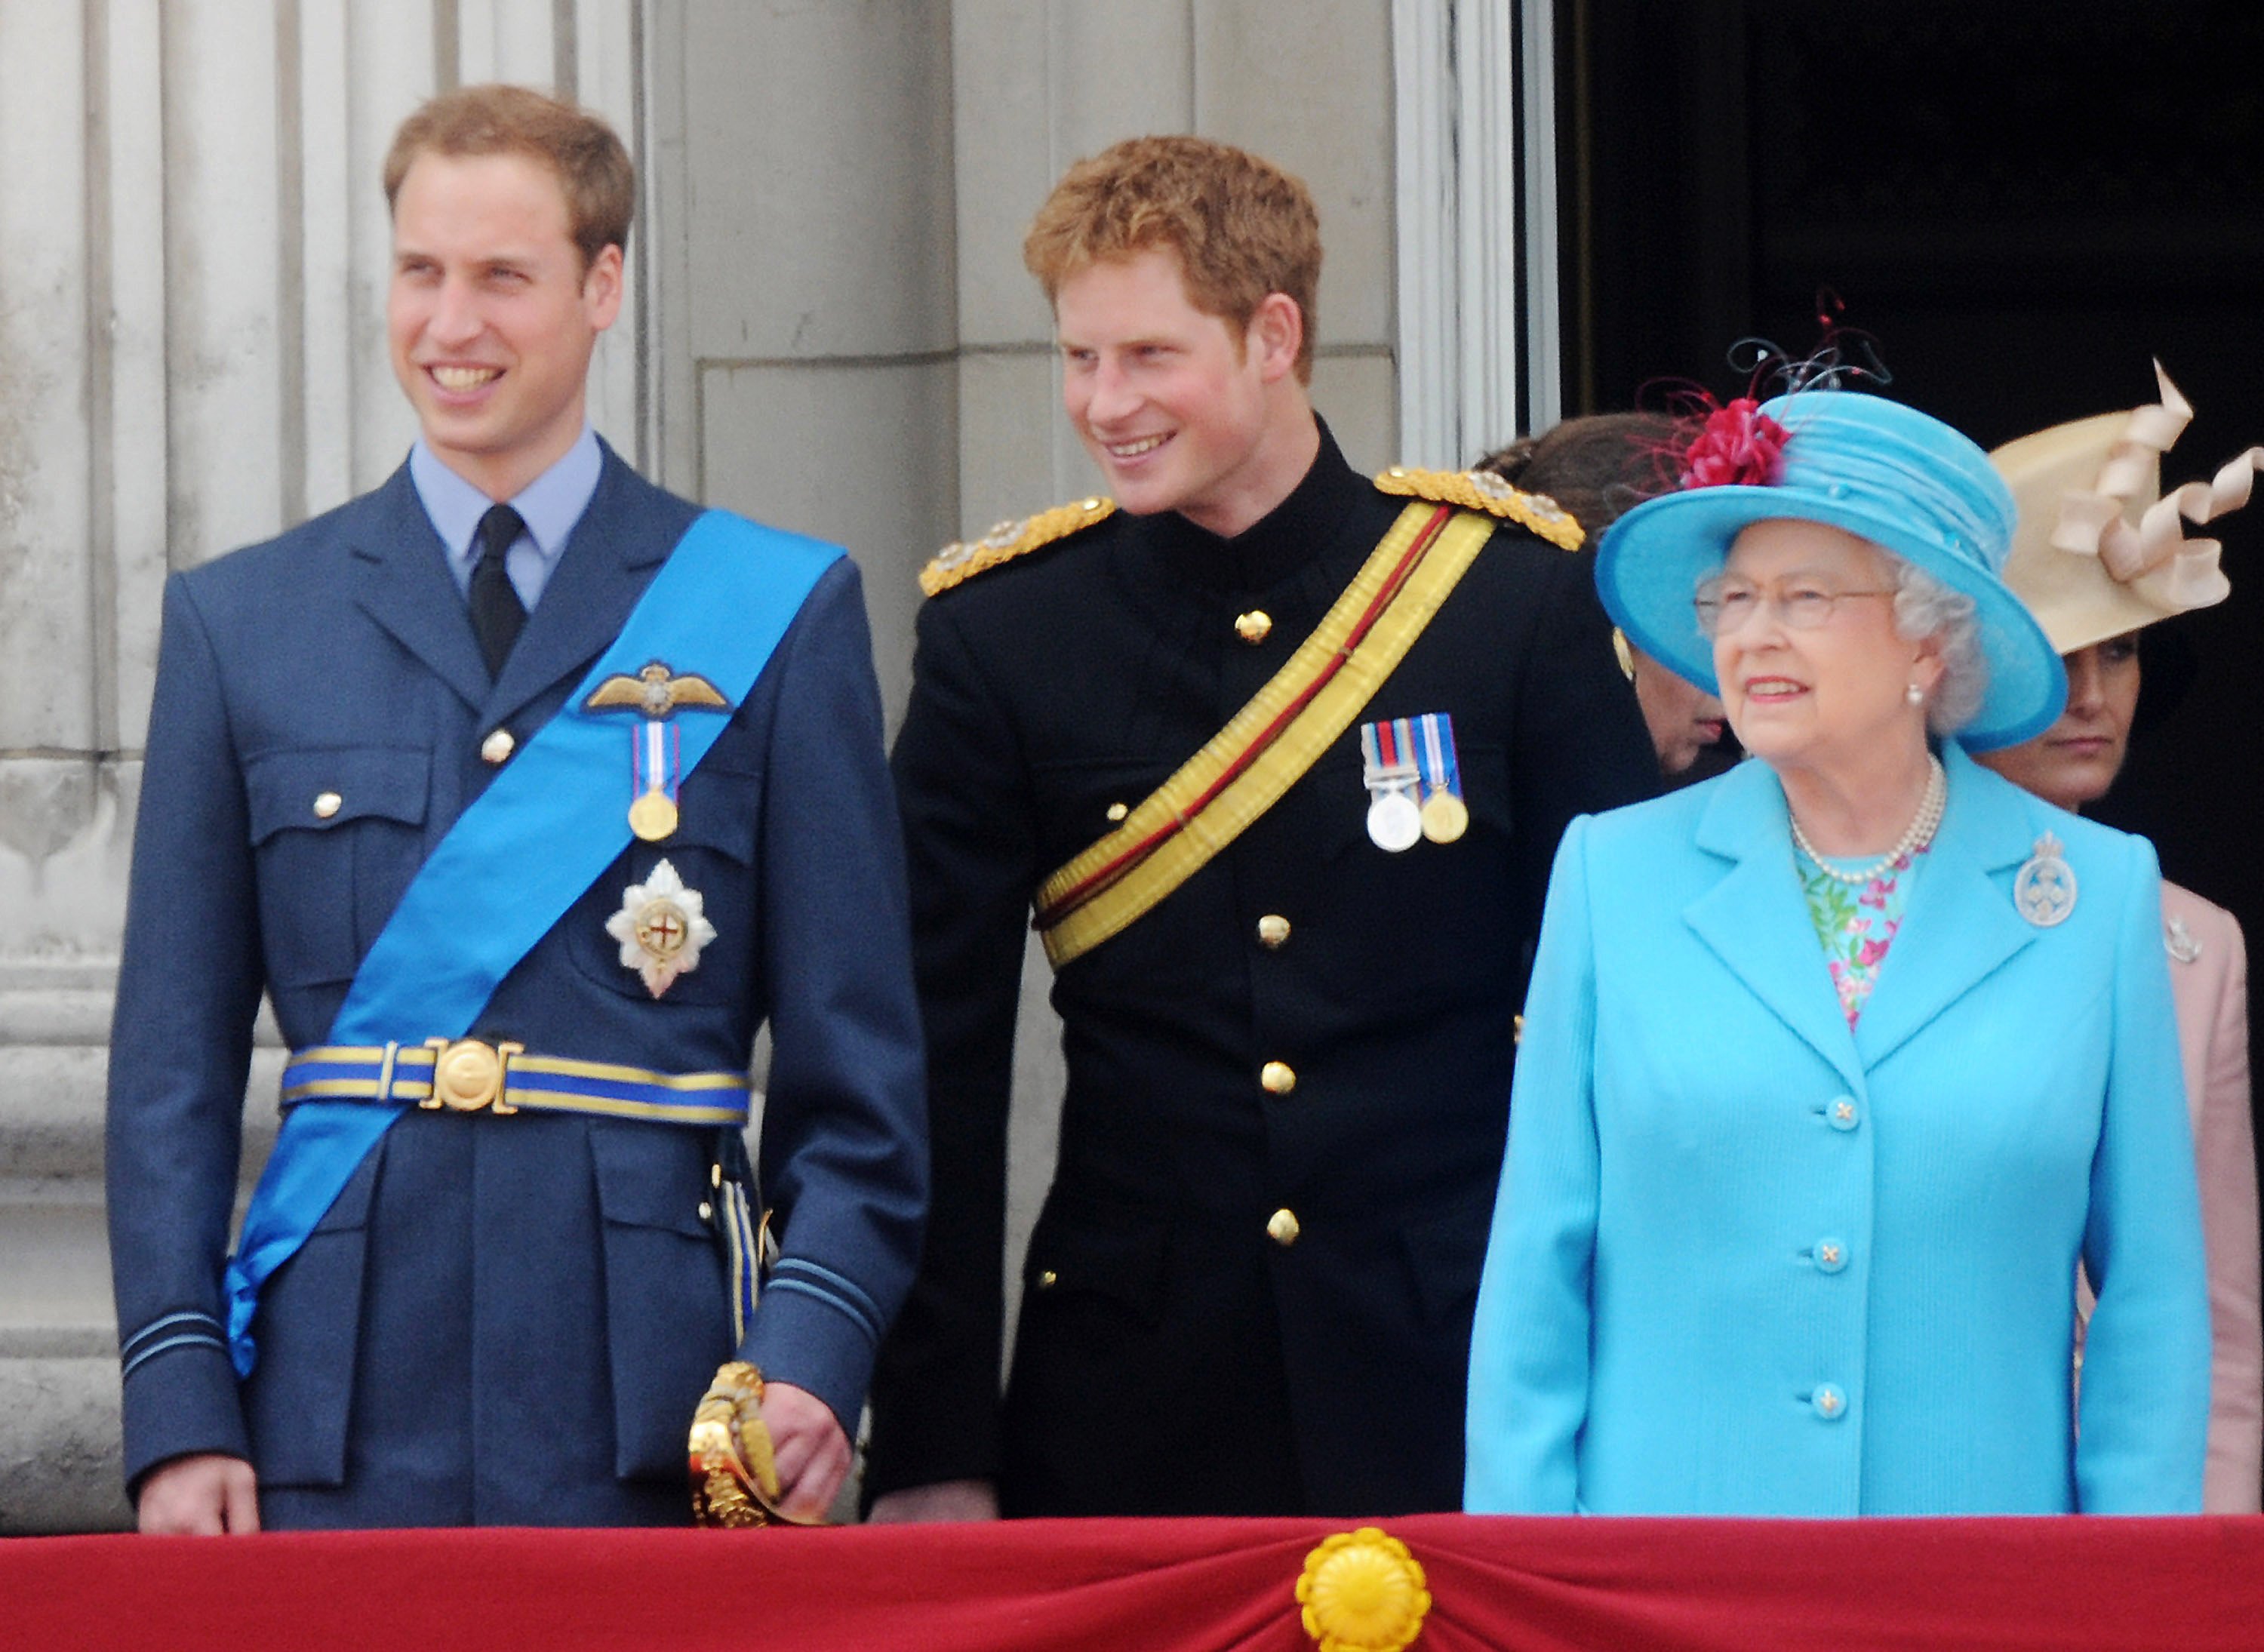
(1445, 817)
(653, 816)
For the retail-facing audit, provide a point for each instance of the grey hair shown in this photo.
(1925, 607)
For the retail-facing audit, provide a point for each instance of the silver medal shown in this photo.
(1395, 821)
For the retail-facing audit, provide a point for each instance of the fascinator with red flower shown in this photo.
(1858, 462)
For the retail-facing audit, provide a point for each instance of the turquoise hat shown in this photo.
(1873, 467)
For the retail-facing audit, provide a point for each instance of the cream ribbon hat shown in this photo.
(2099, 549)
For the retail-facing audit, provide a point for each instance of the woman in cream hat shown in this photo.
(1834, 1065)
(2098, 558)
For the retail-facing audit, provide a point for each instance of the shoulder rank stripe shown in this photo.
(964, 559)
(1483, 491)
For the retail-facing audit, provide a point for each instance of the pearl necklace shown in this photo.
(1916, 836)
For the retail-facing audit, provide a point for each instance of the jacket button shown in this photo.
(706, 1211)
(1278, 1078)
(327, 804)
(1831, 1255)
(1281, 1227)
(498, 746)
(1254, 627)
(1272, 929)
(1116, 811)
(1830, 1400)
(1843, 1113)
(1048, 1280)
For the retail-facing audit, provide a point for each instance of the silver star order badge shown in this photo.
(2043, 889)
(661, 927)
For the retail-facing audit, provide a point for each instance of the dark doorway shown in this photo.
(2024, 203)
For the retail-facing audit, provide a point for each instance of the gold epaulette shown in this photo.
(1483, 491)
(964, 559)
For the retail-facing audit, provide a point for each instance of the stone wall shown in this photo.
(192, 264)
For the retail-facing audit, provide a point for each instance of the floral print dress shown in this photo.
(1856, 923)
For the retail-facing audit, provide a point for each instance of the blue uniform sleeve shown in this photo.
(845, 1159)
(2144, 1417)
(1528, 1391)
(188, 989)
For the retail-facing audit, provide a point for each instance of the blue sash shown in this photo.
(718, 606)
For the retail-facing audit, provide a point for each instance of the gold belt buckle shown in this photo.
(467, 1075)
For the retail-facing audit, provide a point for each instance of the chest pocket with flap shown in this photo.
(338, 833)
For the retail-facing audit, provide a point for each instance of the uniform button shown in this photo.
(1048, 1280)
(1272, 929)
(1117, 811)
(1278, 1078)
(1830, 1400)
(1844, 1113)
(1281, 1227)
(498, 746)
(1831, 1255)
(327, 804)
(1254, 627)
(706, 1211)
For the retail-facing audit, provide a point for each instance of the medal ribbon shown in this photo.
(1441, 772)
(1242, 770)
(724, 599)
(656, 758)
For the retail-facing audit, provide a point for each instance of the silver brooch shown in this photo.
(2043, 889)
(661, 926)
(2179, 941)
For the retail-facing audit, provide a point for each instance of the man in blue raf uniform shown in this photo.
(1281, 757)
(524, 840)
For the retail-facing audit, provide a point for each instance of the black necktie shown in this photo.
(497, 615)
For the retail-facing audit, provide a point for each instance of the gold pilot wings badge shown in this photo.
(655, 745)
(656, 692)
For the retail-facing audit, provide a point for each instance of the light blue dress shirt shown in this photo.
(550, 505)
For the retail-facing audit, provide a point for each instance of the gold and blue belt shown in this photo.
(472, 1076)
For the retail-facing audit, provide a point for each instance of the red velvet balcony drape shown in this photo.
(1157, 1585)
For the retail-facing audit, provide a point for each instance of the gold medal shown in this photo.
(1445, 817)
(653, 816)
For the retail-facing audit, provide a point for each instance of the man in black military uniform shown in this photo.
(1287, 980)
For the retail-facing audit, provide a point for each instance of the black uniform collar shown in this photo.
(1278, 544)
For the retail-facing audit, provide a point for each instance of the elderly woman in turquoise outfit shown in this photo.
(1835, 1066)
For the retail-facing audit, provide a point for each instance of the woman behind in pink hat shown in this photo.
(2097, 558)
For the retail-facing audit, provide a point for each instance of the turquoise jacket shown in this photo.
(1744, 1261)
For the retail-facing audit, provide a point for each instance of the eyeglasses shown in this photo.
(1724, 604)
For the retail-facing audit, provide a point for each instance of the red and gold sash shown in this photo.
(1244, 768)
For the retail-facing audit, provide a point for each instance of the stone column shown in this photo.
(193, 247)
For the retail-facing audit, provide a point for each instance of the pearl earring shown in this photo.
(1914, 695)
